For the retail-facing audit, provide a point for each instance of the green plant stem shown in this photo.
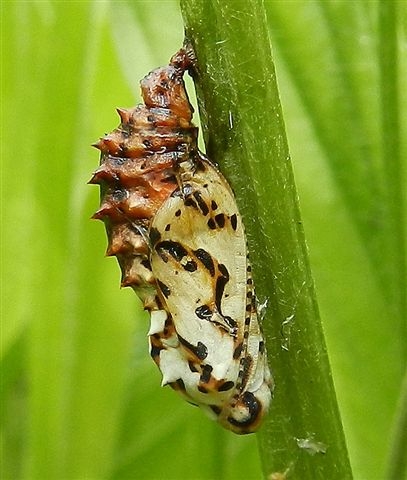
(244, 132)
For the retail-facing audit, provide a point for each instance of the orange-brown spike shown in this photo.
(110, 145)
(124, 114)
(97, 177)
(117, 246)
(99, 144)
(128, 281)
(94, 180)
(105, 210)
(103, 173)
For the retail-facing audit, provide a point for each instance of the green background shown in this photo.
(81, 397)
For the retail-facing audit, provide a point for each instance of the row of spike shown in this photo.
(123, 242)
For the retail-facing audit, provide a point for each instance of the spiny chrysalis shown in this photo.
(174, 226)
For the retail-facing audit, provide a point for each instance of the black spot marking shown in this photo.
(201, 202)
(215, 409)
(200, 350)
(206, 259)
(246, 334)
(223, 270)
(261, 346)
(230, 322)
(155, 351)
(238, 351)
(233, 221)
(249, 307)
(214, 205)
(189, 202)
(180, 385)
(155, 236)
(221, 282)
(190, 266)
(146, 264)
(168, 227)
(211, 224)
(247, 321)
(203, 312)
(219, 289)
(249, 268)
(253, 410)
(200, 166)
(178, 213)
(175, 249)
(249, 294)
(164, 288)
(192, 367)
(249, 281)
(226, 386)
(206, 373)
(220, 220)
(169, 179)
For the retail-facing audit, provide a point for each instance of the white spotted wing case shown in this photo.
(174, 226)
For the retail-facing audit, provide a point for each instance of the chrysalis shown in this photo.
(174, 226)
